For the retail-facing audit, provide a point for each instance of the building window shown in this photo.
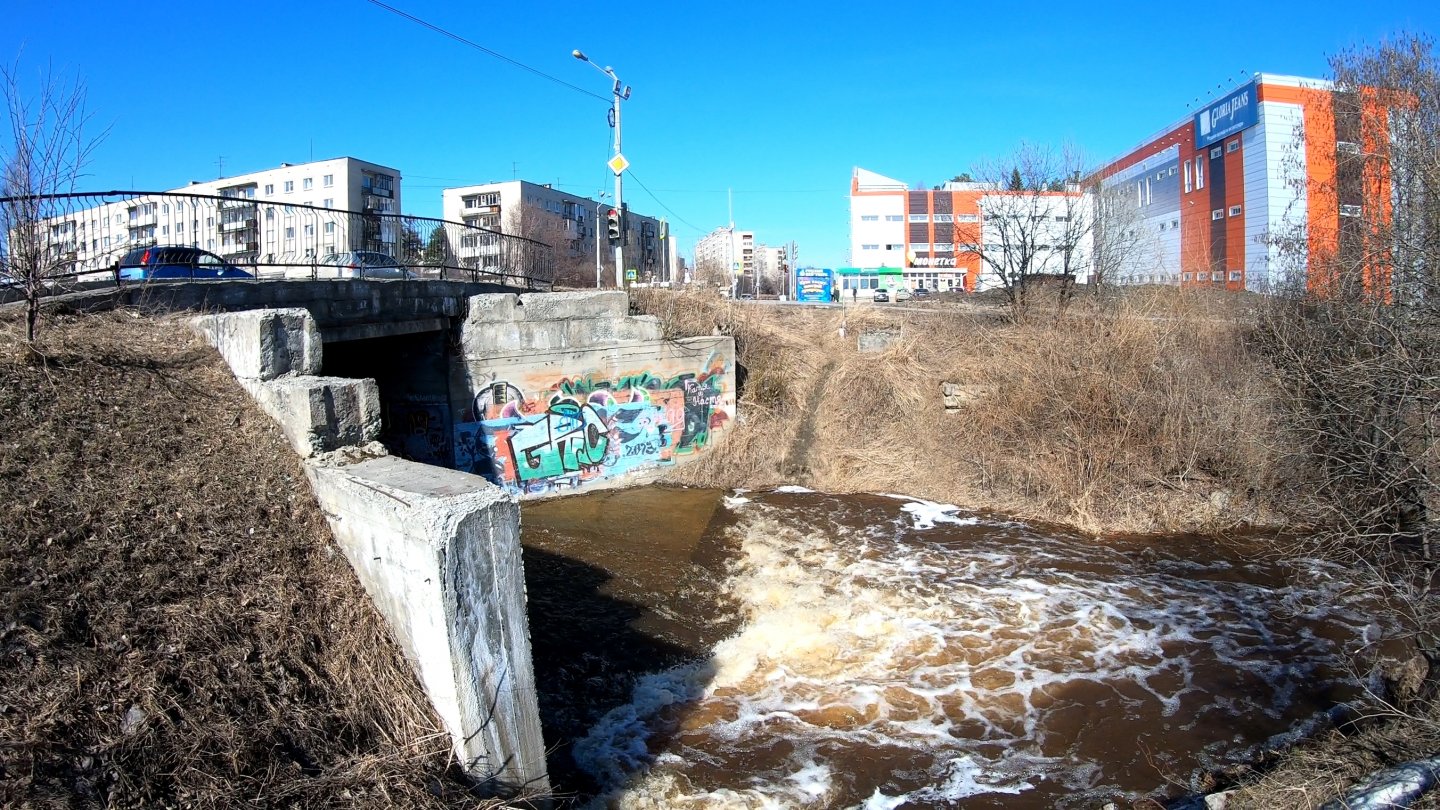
(290, 232)
(328, 202)
(269, 188)
(894, 218)
(1199, 173)
(1174, 224)
(943, 247)
(894, 247)
(329, 227)
(1215, 152)
(919, 217)
(1233, 146)
(1218, 213)
(1234, 210)
(944, 218)
(869, 247)
(1217, 276)
(289, 186)
(967, 218)
(920, 247)
(1349, 210)
(308, 183)
(1170, 173)
(1186, 276)
(179, 228)
(1235, 275)
(869, 217)
(328, 180)
(309, 229)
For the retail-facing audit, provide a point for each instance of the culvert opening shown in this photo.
(412, 373)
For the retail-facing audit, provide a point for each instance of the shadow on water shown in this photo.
(595, 631)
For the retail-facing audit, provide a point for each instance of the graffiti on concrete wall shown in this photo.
(584, 428)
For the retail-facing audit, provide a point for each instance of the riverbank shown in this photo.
(176, 627)
(1146, 413)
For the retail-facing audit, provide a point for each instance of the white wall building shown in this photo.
(237, 228)
(572, 225)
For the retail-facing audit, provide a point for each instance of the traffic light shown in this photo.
(612, 225)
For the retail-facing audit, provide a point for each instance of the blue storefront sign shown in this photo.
(812, 284)
(1229, 115)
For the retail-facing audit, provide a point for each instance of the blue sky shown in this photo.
(774, 101)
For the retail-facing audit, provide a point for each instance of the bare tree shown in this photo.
(572, 255)
(42, 154)
(1035, 222)
(1354, 331)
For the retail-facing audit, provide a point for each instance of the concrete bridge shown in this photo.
(425, 411)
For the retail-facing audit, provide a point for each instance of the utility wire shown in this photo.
(477, 46)
(661, 204)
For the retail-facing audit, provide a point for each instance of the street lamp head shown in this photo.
(579, 55)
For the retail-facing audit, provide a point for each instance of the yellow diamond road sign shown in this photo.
(618, 164)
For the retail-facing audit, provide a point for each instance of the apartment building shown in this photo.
(237, 226)
(941, 238)
(573, 226)
(727, 253)
(1211, 193)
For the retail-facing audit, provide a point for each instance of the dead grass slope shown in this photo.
(1146, 413)
(175, 628)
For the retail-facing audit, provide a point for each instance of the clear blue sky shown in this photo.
(775, 100)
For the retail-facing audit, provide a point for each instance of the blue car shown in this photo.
(175, 261)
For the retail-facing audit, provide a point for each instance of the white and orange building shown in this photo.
(940, 238)
(1202, 203)
(1214, 192)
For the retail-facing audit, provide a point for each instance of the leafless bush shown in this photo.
(1355, 334)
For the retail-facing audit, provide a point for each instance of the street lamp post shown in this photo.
(621, 92)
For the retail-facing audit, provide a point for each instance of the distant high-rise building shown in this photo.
(726, 255)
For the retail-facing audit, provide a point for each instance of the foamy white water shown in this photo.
(897, 652)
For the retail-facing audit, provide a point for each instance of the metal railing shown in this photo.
(84, 236)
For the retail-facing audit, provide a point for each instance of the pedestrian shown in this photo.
(854, 294)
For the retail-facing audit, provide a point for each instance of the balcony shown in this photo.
(232, 203)
(238, 224)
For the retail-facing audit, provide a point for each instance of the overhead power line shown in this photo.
(661, 204)
(477, 46)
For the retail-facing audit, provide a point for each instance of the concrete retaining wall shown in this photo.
(439, 553)
(563, 392)
(438, 550)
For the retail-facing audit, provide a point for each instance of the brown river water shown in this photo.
(702, 649)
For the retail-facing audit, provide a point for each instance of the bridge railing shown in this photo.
(80, 237)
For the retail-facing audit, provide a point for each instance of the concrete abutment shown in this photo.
(508, 398)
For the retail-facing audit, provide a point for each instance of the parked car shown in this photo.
(881, 297)
(921, 292)
(902, 294)
(175, 261)
(362, 264)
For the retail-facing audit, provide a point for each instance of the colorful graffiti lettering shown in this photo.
(584, 428)
(566, 439)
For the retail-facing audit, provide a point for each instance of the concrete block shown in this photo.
(318, 414)
(439, 553)
(265, 344)
(641, 327)
(581, 304)
(492, 308)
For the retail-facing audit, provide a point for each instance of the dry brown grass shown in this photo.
(1146, 412)
(175, 627)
